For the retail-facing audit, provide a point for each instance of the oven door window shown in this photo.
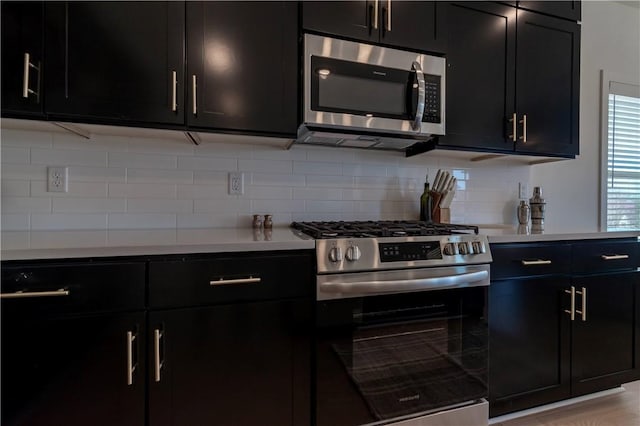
(388, 357)
(339, 86)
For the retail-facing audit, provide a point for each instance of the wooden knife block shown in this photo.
(442, 215)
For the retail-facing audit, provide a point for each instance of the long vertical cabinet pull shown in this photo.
(157, 359)
(583, 311)
(375, 14)
(193, 88)
(524, 128)
(388, 23)
(26, 91)
(514, 127)
(572, 312)
(131, 362)
(174, 90)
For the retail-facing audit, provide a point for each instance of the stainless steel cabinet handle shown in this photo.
(25, 77)
(131, 367)
(157, 362)
(535, 262)
(174, 89)
(194, 87)
(524, 128)
(26, 295)
(388, 15)
(614, 256)
(375, 15)
(249, 280)
(572, 312)
(583, 312)
(417, 122)
(514, 127)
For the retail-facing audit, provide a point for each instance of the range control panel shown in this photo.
(409, 251)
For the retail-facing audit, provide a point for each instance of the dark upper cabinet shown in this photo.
(547, 84)
(242, 68)
(22, 58)
(514, 89)
(563, 9)
(404, 24)
(119, 61)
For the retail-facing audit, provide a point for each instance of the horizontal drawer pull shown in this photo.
(25, 295)
(614, 256)
(535, 262)
(222, 281)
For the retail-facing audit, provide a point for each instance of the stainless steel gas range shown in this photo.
(401, 323)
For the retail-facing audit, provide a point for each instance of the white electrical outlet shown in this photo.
(523, 190)
(57, 179)
(236, 183)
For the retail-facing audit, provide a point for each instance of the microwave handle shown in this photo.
(417, 122)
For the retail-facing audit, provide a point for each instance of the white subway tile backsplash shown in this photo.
(141, 220)
(15, 188)
(49, 222)
(159, 206)
(15, 155)
(142, 161)
(134, 182)
(67, 157)
(142, 190)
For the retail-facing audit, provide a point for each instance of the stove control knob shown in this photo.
(464, 248)
(335, 254)
(353, 253)
(450, 249)
(478, 247)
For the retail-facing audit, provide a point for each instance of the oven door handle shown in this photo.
(471, 279)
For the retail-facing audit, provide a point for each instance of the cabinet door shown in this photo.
(349, 19)
(116, 60)
(480, 74)
(604, 351)
(71, 370)
(547, 84)
(529, 340)
(563, 9)
(22, 48)
(242, 66)
(238, 364)
(411, 25)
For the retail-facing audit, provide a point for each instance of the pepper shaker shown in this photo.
(268, 221)
(524, 212)
(537, 207)
(257, 221)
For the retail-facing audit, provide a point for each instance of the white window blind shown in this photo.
(623, 159)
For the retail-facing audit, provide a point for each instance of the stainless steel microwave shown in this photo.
(366, 96)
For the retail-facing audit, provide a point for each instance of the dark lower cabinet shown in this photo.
(237, 364)
(115, 61)
(73, 347)
(560, 333)
(604, 345)
(22, 59)
(529, 343)
(242, 66)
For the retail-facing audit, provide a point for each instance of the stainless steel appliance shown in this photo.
(365, 96)
(401, 323)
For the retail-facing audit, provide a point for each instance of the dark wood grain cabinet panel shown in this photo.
(404, 24)
(115, 61)
(22, 58)
(243, 66)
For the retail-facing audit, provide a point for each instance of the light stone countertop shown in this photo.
(19, 245)
(25, 245)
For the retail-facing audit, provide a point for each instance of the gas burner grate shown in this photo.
(375, 229)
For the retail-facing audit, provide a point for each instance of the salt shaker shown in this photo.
(257, 221)
(268, 221)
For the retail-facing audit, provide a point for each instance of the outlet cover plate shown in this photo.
(236, 183)
(57, 179)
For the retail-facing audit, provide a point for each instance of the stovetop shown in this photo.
(377, 229)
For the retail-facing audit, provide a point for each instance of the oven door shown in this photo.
(394, 357)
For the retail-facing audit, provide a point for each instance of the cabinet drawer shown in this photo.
(522, 260)
(229, 278)
(598, 256)
(48, 288)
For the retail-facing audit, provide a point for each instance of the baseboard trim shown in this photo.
(555, 405)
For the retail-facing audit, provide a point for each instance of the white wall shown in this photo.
(610, 41)
(126, 182)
